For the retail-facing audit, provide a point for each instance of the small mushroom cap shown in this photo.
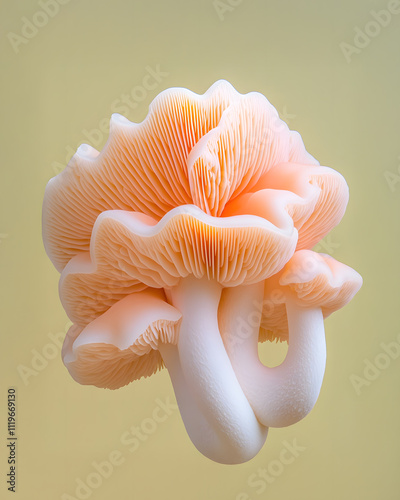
(130, 250)
(121, 345)
(311, 280)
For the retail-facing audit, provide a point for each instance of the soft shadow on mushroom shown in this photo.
(182, 228)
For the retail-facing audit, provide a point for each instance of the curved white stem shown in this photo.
(202, 435)
(205, 376)
(285, 394)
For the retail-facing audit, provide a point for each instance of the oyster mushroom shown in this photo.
(163, 236)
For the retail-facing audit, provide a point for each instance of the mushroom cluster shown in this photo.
(185, 242)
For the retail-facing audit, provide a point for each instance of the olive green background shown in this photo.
(66, 80)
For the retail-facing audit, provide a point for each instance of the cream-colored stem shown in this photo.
(203, 376)
(201, 433)
(285, 394)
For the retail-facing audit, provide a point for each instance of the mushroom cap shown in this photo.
(311, 280)
(121, 345)
(213, 185)
(318, 202)
(130, 251)
(202, 150)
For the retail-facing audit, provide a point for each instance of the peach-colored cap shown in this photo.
(121, 345)
(310, 280)
(202, 150)
(130, 251)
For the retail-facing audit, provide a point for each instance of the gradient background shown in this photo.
(64, 81)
